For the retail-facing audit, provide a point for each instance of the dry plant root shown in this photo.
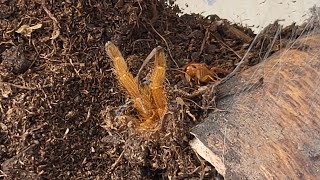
(56, 26)
(150, 101)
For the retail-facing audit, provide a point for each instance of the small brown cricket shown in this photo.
(201, 73)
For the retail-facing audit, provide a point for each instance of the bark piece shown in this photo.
(272, 127)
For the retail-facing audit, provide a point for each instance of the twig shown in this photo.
(195, 93)
(239, 64)
(140, 13)
(19, 86)
(139, 40)
(165, 43)
(228, 47)
(190, 100)
(73, 64)
(113, 166)
(56, 28)
(206, 37)
(7, 42)
(89, 113)
(3, 174)
(146, 61)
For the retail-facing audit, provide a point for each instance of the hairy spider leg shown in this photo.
(157, 82)
(127, 81)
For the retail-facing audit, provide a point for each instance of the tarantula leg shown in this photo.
(157, 83)
(127, 81)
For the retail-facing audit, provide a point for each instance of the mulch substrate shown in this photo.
(63, 114)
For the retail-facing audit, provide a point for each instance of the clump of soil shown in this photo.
(63, 114)
(14, 60)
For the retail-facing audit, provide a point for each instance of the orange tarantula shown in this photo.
(149, 100)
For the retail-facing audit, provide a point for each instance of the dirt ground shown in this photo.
(63, 114)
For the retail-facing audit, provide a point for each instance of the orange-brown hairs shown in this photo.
(150, 101)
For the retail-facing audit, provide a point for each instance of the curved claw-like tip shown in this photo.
(108, 44)
(112, 50)
(159, 48)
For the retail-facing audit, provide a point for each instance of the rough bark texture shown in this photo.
(272, 127)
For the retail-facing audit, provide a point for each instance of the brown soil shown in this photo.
(63, 115)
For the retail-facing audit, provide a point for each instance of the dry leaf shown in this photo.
(26, 30)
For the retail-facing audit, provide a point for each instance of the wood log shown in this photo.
(271, 129)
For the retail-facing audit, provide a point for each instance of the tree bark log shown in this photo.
(271, 129)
